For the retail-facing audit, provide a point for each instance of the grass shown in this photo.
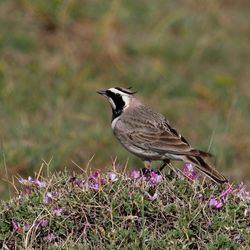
(189, 60)
(124, 211)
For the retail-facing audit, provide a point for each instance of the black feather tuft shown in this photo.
(126, 90)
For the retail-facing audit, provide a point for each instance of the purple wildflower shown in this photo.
(189, 172)
(112, 176)
(94, 176)
(25, 182)
(135, 174)
(96, 181)
(32, 182)
(96, 187)
(155, 178)
(41, 184)
(224, 195)
(58, 211)
(50, 237)
(77, 182)
(103, 181)
(49, 197)
(215, 203)
(42, 223)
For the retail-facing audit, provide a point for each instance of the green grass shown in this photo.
(189, 60)
(120, 215)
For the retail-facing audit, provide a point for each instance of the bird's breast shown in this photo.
(113, 123)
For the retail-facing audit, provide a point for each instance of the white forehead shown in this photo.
(116, 91)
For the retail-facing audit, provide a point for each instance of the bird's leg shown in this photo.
(165, 162)
(147, 164)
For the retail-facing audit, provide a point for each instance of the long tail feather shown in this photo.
(204, 167)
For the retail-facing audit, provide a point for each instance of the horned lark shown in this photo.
(149, 135)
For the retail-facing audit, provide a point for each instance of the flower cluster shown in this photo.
(80, 183)
(215, 203)
(135, 174)
(49, 197)
(112, 176)
(96, 181)
(189, 172)
(219, 202)
(32, 182)
(152, 178)
(139, 185)
(58, 211)
(50, 237)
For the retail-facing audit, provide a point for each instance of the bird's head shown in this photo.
(119, 99)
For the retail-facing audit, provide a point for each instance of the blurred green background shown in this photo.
(188, 59)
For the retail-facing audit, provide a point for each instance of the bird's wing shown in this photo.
(160, 137)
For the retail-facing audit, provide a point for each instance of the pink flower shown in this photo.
(189, 172)
(112, 176)
(215, 203)
(94, 176)
(96, 187)
(155, 178)
(224, 195)
(42, 223)
(50, 237)
(103, 181)
(32, 182)
(95, 181)
(58, 211)
(77, 182)
(41, 184)
(135, 174)
(49, 197)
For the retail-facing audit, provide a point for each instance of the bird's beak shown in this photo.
(102, 92)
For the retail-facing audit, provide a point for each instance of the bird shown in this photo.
(150, 136)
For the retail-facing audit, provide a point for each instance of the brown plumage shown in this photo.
(149, 135)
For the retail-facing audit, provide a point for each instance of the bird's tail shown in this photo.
(204, 167)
